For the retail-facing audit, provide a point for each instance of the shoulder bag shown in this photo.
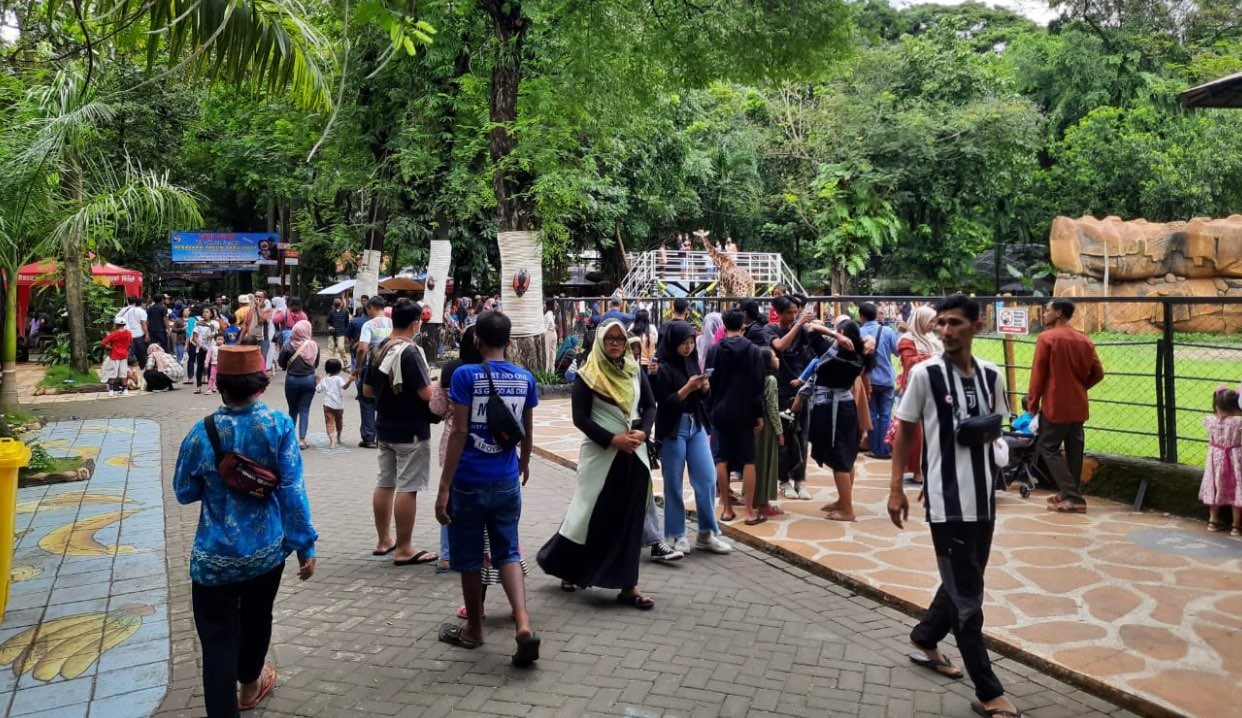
(973, 430)
(504, 427)
(239, 472)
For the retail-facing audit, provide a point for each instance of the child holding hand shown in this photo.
(1223, 468)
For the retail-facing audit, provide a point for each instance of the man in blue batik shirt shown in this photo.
(883, 378)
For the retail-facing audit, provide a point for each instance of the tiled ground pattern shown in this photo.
(747, 634)
(1162, 620)
(89, 581)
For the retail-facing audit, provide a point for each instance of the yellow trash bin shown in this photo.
(13, 456)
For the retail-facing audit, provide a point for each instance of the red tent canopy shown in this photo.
(43, 274)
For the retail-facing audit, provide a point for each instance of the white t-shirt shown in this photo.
(333, 389)
(134, 316)
(549, 321)
(375, 330)
(958, 486)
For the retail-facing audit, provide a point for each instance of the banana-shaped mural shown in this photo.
(78, 538)
(70, 500)
(25, 572)
(68, 646)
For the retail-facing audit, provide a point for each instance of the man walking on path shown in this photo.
(1064, 368)
(338, 327)
(883, 379)
(376, 329)
(943, 394)
(158, 323)
(735, 370)
(479, 486)
(789, 341)
(135, 318)
(400, 383)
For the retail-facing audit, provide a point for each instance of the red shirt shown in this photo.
(118, 344)
(1064, 368)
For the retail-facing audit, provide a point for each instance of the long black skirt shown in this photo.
(613, 548)
(835, 443)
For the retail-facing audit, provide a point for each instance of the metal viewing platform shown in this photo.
(675, 273)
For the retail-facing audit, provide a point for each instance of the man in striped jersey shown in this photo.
(958, 495)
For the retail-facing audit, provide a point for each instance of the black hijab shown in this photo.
(682, 367)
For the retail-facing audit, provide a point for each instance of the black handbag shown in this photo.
(504, 427)
(973, 430)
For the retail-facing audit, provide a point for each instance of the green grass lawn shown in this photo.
(1123, 406)
(58, 374)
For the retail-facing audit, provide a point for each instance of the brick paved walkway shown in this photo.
(747, 634)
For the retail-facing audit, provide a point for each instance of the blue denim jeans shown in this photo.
(881, 415)
(690, 448)
(366, 408)
(475, 508)
(300, 392)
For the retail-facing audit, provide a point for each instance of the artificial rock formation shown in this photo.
(1199, 258)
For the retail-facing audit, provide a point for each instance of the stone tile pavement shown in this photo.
(86, 632)
(1144, 608)
(746, 634)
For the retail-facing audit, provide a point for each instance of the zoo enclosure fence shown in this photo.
(1157, 386)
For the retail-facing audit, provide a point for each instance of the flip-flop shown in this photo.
(451, 634)
(267, 681)
(527, 651)
(639, 601)
(385, 552)
(417, 559)
(920, 659)
(568, 587)
(755, 521)
(732, 517)
(461, 613)
(978, 708)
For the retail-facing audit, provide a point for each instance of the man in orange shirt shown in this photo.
(1064, 368)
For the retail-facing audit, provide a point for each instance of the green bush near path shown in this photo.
(59, 376)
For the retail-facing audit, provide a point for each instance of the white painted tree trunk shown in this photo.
(368, 274)
(438, 267)
(521, 250)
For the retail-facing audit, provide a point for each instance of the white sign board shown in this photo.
(273, 280)
(1012, 320)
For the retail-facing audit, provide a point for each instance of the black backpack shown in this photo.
(504, 427)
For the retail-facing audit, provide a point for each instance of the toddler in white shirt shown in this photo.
(333, 388)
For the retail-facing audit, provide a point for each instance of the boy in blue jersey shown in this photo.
(480, 488)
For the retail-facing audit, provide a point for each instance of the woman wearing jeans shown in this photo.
(300, 358)
(681, 428)
(235, 573)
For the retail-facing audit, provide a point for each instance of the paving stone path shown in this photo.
(746, 634)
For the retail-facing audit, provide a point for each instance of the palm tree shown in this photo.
(59, 196)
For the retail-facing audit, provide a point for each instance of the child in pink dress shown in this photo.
(1223, 469)
(213, 352)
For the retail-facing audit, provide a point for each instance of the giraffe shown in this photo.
(734, 281)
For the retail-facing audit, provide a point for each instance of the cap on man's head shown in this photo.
(118, 320)
(243, 299)
(239, 360)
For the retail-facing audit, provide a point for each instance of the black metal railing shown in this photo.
(1157, 386)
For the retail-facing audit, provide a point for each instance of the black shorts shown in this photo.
(734, 444)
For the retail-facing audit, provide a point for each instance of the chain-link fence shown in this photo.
(1163, 357)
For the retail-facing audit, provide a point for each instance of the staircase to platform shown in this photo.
(693, 274)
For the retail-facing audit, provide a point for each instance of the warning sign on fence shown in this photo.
(1010, 320)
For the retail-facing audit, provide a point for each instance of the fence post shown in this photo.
(1170, 385)
(1162, 431)
(1011, 370)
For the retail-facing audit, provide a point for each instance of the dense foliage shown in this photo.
(878, 149)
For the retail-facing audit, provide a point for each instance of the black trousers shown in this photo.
(962, 556)
(1066, 470)
(792, 456)
(234, 623)
(138, 350)
(156, 380)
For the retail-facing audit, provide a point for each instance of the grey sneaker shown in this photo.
(788, 491)
(804, 494)
(682, 544)
(664, 552)
(708, 541)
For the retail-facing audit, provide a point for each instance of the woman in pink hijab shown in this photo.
(300, 358)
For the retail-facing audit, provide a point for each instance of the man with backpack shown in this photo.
(373, 331)
(485, 467)
(399, 383)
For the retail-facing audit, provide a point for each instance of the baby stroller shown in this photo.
(1022, 468)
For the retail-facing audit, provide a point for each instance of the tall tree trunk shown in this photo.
(373, 248)
(9, 398)
(75, 303)
(515, 209)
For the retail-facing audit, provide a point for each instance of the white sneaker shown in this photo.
(125, 393)
(788, 491)
(111, 393)
(682, 544)
(708, 541)
(804, 494)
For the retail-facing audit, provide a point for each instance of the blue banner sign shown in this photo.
(223, 247)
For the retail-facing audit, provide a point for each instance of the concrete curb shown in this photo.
(1095, 686)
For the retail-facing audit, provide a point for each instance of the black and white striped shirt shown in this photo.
(958, 480)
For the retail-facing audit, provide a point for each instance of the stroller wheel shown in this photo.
(1025, 491)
